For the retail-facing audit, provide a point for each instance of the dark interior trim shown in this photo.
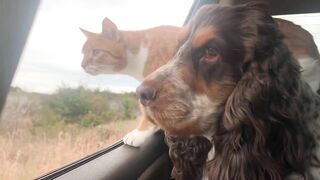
(195, 6)
(69, 167)
(282, 7)
(16, 18)
(118, 161)
(277, 7)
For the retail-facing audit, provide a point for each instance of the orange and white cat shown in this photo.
(138, 53)
(134, 53)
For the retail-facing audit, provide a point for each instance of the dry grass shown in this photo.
(26, 154)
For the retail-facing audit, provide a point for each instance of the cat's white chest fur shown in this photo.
(136, 63)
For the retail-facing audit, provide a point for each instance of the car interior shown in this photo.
(118, 161)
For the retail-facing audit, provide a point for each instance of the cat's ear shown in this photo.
(87, 33)
(110, 30)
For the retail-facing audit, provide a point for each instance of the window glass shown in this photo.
(55, 112)
(310, 22)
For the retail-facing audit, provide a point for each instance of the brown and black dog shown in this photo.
(235, 82)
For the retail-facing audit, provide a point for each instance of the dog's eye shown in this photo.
(95, 52)
(210, 54)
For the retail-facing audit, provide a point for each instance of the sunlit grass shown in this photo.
(28, 153)
(42, 132)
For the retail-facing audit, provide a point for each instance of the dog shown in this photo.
(235, 82)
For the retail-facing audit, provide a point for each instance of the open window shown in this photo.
(119, 161)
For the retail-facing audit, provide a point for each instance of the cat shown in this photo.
(138, 53)
(134, 53)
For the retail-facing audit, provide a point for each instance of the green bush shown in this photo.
(129, 107)
(91, 120)
(86, 107)
(71, 104)
(78, 106)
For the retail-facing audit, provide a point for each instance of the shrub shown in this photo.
(80, 106)
(71, 104)
(91, 120)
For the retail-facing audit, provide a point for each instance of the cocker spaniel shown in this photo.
(235, 82)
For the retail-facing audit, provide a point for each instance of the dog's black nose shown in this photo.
(146, 94)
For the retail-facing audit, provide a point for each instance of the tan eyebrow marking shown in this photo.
(202, 36)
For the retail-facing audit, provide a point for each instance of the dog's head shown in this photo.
(192, 89)
(233, 78)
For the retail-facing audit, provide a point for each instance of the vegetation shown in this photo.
(40, 132)
(84, 107)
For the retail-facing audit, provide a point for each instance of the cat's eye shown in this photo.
(95, 52)
(210, 54)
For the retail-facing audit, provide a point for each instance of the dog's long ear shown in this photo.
(268, 67)
(258, 135)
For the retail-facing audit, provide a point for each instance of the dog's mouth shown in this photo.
(171, 111)
(180, 117)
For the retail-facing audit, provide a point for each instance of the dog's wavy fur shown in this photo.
(262, 132)
(188, 155)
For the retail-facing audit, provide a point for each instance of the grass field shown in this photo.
(25, 155)
(39, 133)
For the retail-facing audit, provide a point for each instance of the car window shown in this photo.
(55, 112)
(310, 22)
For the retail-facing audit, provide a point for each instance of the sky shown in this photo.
(52, 56)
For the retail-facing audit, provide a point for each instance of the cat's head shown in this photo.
(104, 53)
